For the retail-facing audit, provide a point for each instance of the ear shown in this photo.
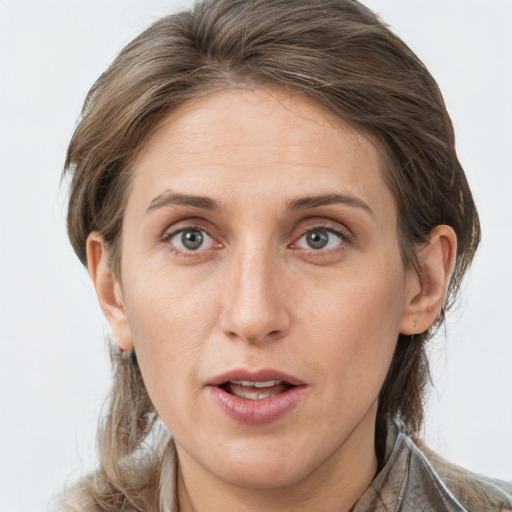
(108, 290)
(426, 292)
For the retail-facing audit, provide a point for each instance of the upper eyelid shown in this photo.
(334, 231)
(327, 227)
(333, 226)
(169, 233)
(187, 223)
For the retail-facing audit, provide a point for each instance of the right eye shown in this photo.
(190, 240)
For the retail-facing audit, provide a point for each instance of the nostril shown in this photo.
(254, 325)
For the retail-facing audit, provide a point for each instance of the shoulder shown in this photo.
(74, 499)
(98, 492)
(474, 491)
(140, 482)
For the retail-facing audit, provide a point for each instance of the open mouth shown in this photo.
(257, 397)
(255, 390)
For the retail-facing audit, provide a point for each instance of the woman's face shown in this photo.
(263, 285)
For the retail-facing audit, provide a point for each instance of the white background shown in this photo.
(54, 372)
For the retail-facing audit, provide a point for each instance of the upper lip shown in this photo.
(261, 375)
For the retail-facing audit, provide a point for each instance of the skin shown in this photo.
(257, 295)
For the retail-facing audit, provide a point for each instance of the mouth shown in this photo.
(257, 398)
(256, 390)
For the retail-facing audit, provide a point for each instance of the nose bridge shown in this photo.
(253, 310)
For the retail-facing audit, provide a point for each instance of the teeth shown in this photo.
(255, 390)
(253, 394)
(259, 384)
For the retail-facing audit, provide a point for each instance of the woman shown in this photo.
(268, 199)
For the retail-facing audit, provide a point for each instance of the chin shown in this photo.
(264, 475)
(278, 463)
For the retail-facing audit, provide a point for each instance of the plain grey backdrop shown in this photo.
(54, 371)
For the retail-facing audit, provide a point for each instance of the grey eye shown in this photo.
(317, 239)
(191, 239)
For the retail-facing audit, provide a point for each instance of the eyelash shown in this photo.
(343, 234)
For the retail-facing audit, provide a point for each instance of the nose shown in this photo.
(255, 309)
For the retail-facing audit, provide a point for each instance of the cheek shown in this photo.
(356, 326)
(369, 297)
(169, 325)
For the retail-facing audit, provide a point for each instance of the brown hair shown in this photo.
(337, 52)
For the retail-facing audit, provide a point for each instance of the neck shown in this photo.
(334, 486)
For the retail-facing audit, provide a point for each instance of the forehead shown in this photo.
(258, 141)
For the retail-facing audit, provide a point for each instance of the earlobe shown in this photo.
(428, 290)
(108, 290)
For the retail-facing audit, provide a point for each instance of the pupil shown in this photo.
(317, 239)
(192, 239)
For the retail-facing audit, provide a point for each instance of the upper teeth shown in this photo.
(258, 384)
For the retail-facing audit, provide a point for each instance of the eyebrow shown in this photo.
(303, 203)
(169, 197)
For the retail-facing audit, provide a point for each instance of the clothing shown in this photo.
(406, 482)
(409, 483)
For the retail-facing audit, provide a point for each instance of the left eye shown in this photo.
(318, 239)
(191, 239)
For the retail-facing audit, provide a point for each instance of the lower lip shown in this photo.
(258, 412)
